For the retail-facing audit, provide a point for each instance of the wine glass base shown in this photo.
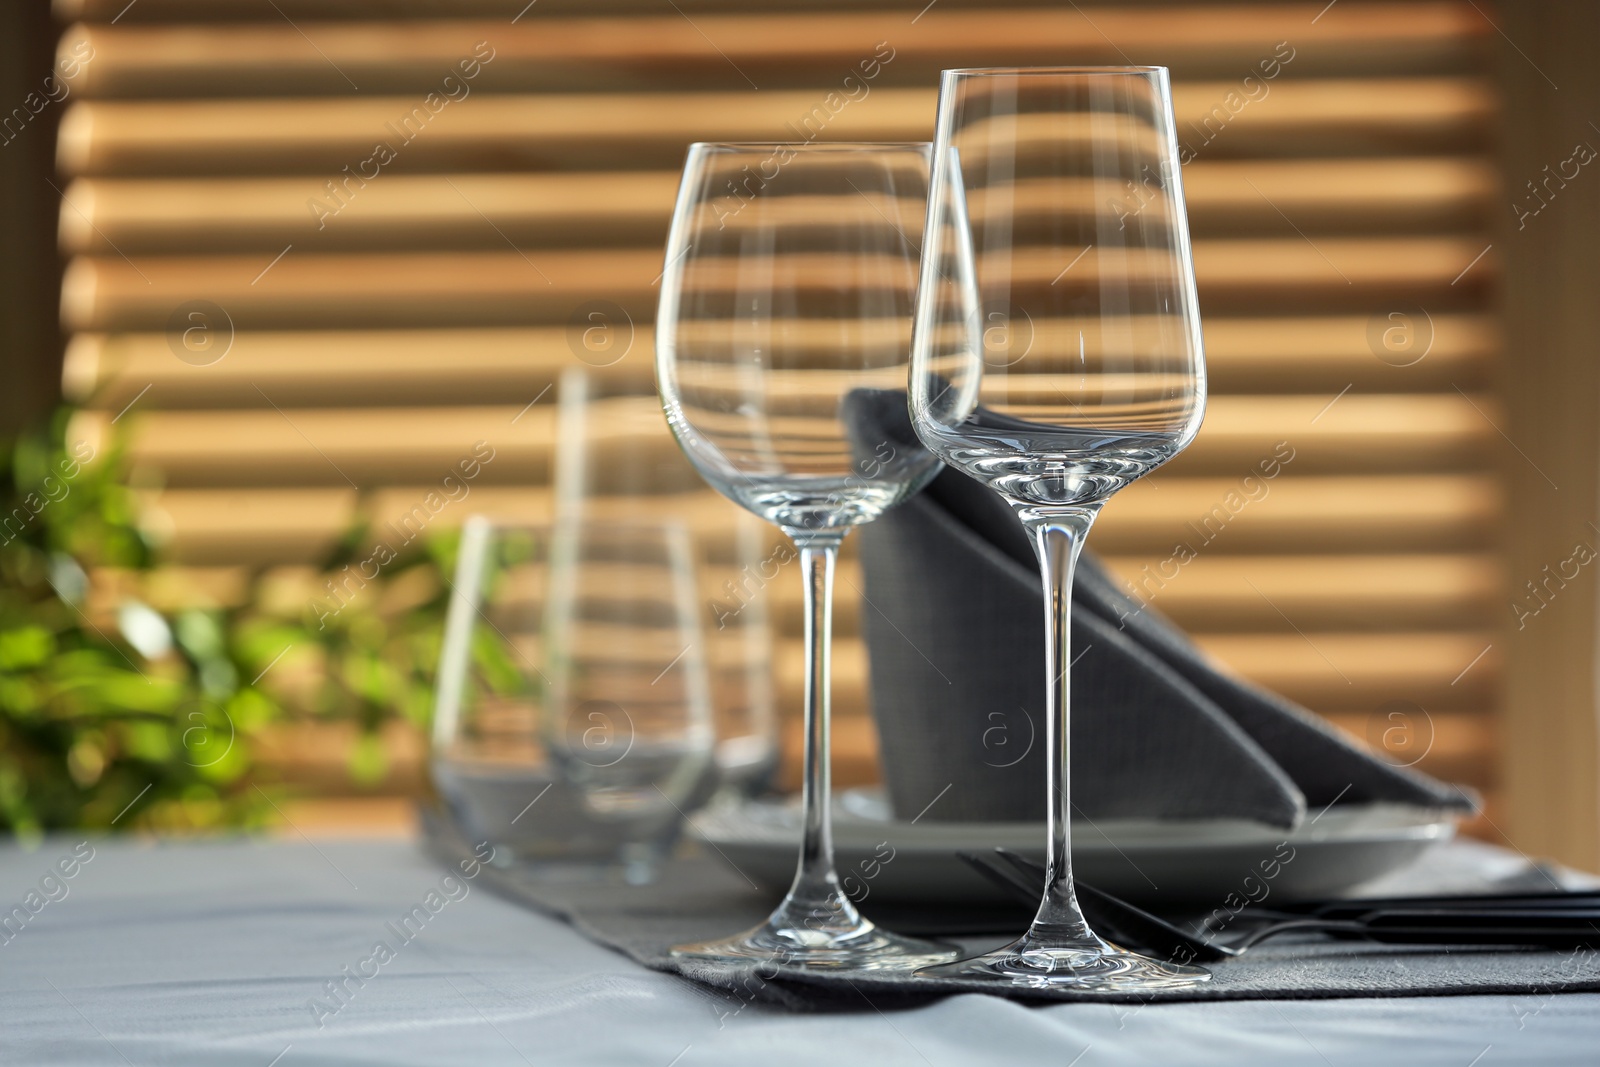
(1094, 966)
(860, 949)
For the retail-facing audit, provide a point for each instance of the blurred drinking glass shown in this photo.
(573, 719)
(615, 459)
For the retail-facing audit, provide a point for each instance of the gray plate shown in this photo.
(1211, 862)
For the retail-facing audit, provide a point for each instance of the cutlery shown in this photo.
(1548, 920)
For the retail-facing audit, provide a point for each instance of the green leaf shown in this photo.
(25, 646)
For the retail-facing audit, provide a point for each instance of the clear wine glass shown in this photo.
(785, 316)
(1056, 357)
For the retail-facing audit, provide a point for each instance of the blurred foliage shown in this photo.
(115, 714)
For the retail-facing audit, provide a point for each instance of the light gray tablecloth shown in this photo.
(212, 953)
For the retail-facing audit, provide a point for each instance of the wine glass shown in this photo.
(1056, 357)
(785, 315)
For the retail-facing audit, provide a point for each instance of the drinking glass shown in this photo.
(1056, 357)
(785, 316)
(616, 459)
(572, 724)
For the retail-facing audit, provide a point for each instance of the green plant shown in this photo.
(115, 714)
(89, 723)
(374, 658)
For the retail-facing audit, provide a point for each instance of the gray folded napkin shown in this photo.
(954, 624)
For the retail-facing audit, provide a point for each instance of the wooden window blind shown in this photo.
(404, 214)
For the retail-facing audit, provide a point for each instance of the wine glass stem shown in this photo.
(816, 885)
(1058, 539)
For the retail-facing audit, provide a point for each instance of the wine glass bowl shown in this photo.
(1060, 351)
(791, 271)
(1056, 357)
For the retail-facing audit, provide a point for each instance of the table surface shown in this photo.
(216, 952)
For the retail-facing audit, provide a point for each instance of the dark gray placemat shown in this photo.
(697, 897)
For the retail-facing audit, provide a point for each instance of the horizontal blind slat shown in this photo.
(382, 445)
(365, 368)
(773, 48)
(581, 131)
(133, 216)
(494, 288)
